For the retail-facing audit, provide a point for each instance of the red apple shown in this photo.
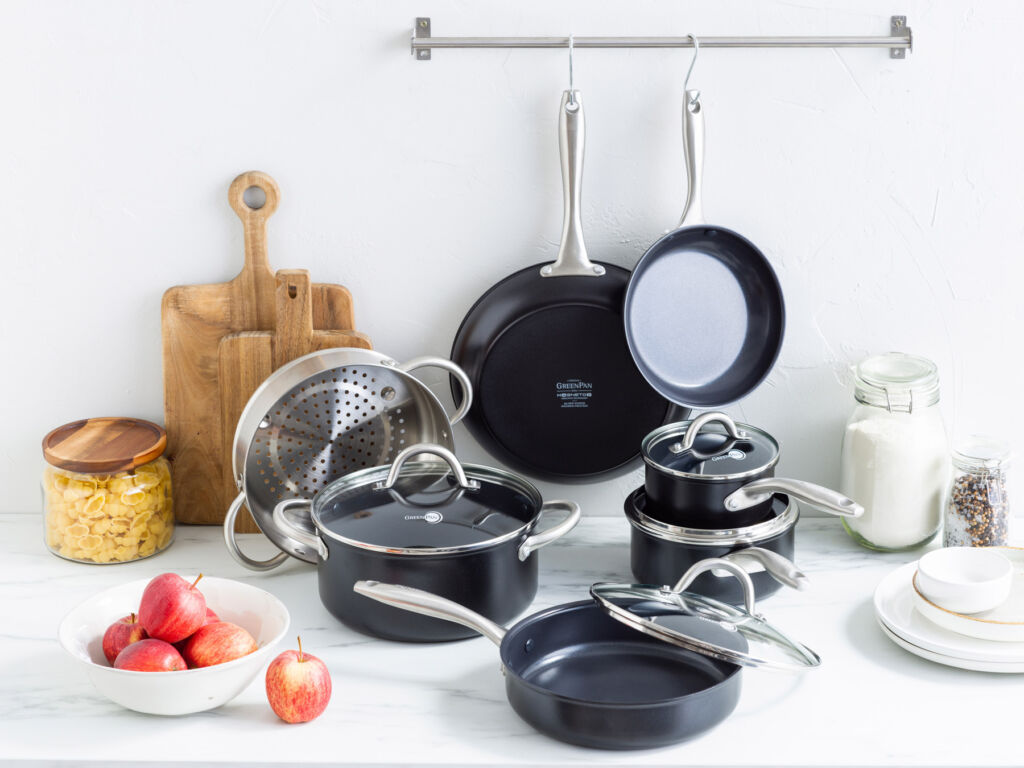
(172, 609)
(210, 618)
(150, 655)
(217, 643)
(298, 686)
(121, 634)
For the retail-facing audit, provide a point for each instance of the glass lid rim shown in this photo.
(363, 480)
(688, 642)
(676, 430)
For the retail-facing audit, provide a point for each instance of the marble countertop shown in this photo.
(870, 703)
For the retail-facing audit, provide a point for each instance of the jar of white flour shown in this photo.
(895, 460)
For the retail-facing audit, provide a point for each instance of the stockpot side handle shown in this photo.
(816, 496)
(555, 532)
(437, 450)
(232, 543)
(429, 604)
(713, 563)
(782, 569)
(690, 436)
(292, 531)
(430, 361)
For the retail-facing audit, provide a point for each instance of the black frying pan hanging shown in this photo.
(555, 390)
(704, 313)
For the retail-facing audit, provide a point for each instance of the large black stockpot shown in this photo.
(463, 531)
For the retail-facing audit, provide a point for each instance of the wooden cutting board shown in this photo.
(246, 359)
(194, 319)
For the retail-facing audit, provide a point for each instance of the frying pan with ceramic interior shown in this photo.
(704, 313)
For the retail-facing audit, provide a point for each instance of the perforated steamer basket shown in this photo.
(322, 416)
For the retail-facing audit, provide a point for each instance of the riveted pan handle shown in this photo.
(429, 604)
(429, 361)
(572, 253)
(232, 542)
(693, 149)
(555, 532)
(407, 453)
(713, 563)
(816, 496)
(690, 436)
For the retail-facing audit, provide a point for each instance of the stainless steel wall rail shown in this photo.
(898, 41)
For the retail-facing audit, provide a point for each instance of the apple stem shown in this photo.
(197, 580)
(132, 619)
(299, 638)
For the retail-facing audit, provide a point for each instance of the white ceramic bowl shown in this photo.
(965, 579)
(187, 691)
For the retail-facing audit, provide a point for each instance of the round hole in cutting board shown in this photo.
(254, 197)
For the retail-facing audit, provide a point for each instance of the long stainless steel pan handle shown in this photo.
(429, 604)
(693, 149)
(782, 569)
(816, 496)
(232, 542)
(572, 253)
(429, 361)
(555, 532)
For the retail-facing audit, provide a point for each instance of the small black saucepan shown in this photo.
(659, 550)
(464, 531)
(638, 666)
(714, 473)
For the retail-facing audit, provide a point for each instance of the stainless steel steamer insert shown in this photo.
(322, 416)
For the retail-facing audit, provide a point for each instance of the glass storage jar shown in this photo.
(895, 458)
(978, 505)
(107, 490)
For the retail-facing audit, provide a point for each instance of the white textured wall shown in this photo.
(886, 193)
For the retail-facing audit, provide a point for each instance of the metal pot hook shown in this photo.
(572, 93)
(695, 96)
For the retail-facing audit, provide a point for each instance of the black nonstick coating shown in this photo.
(578, 675)
(556, 393)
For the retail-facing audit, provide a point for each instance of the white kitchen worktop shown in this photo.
(870, 703)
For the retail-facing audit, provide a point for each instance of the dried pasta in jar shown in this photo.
(107, 491)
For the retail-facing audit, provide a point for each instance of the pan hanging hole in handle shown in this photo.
(293, 291)
(254, 197)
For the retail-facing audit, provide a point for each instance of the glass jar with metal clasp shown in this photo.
(895, 459)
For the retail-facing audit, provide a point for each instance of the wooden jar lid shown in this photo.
(104, 445)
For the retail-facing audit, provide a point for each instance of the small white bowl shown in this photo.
(187, 691)
(965, 579)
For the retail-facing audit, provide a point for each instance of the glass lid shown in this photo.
(704, 625)
(426, 506)
(711, 446)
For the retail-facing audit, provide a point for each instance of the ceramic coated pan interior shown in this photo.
(704, 313)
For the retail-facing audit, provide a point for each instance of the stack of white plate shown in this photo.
(991, 641)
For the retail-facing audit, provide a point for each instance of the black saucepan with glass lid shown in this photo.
(466, 532)
(637, 666)
(713, 473)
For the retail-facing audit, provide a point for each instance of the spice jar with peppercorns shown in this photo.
(978, 504)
